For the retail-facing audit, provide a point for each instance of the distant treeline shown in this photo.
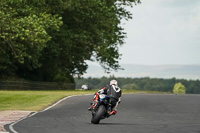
(154, 84)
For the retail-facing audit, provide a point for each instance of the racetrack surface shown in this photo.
(137, 113)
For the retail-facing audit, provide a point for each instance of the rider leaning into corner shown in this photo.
(111, 90)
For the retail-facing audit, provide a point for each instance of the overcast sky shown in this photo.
(163, 32)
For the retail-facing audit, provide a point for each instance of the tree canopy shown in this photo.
(51, 40)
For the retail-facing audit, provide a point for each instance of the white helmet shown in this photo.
(113, 82)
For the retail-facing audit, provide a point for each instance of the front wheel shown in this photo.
(98, 115)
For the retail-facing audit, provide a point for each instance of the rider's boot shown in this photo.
(113, 112)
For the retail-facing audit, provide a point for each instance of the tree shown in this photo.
(179, 88)
(90, 31)
(51, 40)
(23, 33)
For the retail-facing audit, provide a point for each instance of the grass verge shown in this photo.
(38, 100)
(34, 100)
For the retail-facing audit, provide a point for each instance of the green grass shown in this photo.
(33, 100)
(38, 100)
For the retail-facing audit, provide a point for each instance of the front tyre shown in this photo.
(98, 115)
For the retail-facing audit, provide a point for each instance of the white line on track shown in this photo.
(11, 125)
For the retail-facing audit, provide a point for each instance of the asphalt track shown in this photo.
(137, 113)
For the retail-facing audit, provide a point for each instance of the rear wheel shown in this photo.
(98, 115)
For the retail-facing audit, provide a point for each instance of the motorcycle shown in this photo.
(101, 109)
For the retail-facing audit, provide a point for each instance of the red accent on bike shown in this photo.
(113, 112)
(97, 96)
(104, 88)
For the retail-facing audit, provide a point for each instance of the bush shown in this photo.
(179, 89)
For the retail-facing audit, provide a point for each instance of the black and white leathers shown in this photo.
(113, 91)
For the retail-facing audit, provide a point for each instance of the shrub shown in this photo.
(179, 89)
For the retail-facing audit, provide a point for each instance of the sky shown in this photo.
(163, 32)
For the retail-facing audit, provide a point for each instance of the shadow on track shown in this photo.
(116, 124)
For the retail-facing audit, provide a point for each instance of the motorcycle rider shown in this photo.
(111, 90)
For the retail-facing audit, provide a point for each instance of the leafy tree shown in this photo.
(90, 31)
(179, 89)
(23, 33)
(51, 40)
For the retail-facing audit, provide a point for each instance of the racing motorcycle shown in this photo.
(101, 109)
